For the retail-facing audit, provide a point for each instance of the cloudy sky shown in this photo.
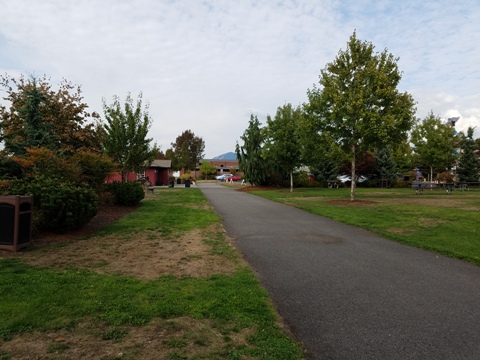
(206, 65)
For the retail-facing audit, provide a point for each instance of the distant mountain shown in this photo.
(226, 156)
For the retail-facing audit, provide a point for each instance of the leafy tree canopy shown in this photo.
(39, 116)
(402, 155)
(358, 103)
(207, 168)
(126, 131)
(187, 151)
(434, 144)
(282, 145)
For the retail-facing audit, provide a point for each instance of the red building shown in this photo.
(158, 173)
(223, 166)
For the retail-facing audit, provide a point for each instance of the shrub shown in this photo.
(127, 193)
(301, 179)
(58, 206)
(276, 179)
(42, 162)
(9, 169)
(95, 168)
(401, 183)
(445, 177)
(185, 177)
(4, 186)
(370, 183)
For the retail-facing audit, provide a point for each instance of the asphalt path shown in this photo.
(346, 293)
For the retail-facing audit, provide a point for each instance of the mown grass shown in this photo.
(446, 224)
(43, 299)
(175, 212)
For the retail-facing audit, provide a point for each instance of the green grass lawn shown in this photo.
(237, 320)
(446, 224)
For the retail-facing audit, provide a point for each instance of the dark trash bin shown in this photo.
(15, 222)
(187, 183)
(179, 181)
(171, 183)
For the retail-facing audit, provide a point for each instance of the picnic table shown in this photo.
(332, 184)
(448, 187)
(419, 186)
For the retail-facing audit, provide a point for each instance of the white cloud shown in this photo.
(206, 65)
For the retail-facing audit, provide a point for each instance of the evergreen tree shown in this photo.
(250, 155)
(282, 142)
(386, 166)
(326, 169)
(468, 163)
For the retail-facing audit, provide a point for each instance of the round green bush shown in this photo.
(128, 193)
(59, 207)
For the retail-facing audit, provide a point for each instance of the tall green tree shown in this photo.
(251, 160)
(187, 150)
(469, 162)
(386, 166)
(39, 116)
(126, 129)
(282, 143)
(325, 169)
(319, 150)
(434, 144)
(207, 168)
(403, 156)
(358, 102)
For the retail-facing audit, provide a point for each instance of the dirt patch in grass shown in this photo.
(440, 201)
(145, 255)
(356, 203)
(180, 338)
(431, 222)
(401, 231)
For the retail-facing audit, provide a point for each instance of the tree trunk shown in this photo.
(291, 181)
(352, 188)
(431, 173)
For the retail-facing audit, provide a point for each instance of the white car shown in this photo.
(344, 178)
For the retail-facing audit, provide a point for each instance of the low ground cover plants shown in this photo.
(163, 282)
(446, 224)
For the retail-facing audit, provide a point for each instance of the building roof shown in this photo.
(161, 164)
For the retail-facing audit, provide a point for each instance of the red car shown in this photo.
(234, 178)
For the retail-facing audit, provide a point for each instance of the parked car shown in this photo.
(223, 177)
(235, 178)
(344, 178)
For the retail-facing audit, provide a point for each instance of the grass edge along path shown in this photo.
(45, 300)
(434, 221)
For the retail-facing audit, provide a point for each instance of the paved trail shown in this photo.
(349, 294)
